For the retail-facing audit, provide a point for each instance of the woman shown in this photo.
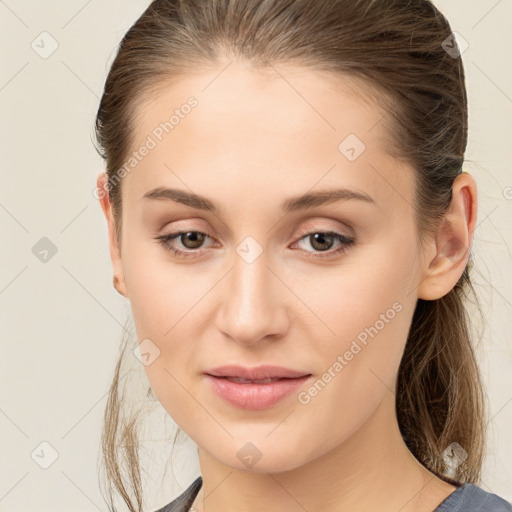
(288, 218)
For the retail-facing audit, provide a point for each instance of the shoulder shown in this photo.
(471, 498)
(184, 501)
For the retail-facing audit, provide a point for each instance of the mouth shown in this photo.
(255, 394)
(260, 374)
(257, 381)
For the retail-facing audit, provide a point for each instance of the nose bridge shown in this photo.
(251, 306)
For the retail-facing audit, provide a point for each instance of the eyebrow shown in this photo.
(302, 202)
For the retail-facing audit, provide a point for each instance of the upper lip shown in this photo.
(256, 373)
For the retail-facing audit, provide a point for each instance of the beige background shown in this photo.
(61, 321)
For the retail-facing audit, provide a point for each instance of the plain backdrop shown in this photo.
(61, 319)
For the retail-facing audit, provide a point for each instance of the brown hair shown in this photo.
(397, 48)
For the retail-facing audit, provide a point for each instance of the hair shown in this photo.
(396, 47)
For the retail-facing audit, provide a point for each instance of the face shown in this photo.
(324, 288)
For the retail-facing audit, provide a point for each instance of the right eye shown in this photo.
(196, 238)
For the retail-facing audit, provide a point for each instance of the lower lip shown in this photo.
(254, 396)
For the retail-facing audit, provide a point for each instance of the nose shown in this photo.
(253, 302)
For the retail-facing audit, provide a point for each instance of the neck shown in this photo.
(372, 470)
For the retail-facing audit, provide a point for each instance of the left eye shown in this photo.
(197, 238)
(319, 240)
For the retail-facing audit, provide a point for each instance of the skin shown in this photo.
(252, 142)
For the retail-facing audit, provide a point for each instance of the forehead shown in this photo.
(242, 101)
(284, 128)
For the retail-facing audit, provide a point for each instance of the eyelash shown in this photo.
(345, 242)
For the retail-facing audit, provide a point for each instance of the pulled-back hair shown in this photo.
(397, 48)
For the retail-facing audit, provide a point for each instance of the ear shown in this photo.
(115, 251)
(450, 248)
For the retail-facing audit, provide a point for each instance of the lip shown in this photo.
(256, 373)
(255, 396)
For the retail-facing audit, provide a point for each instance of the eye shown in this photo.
(196, 238)
(321, 241)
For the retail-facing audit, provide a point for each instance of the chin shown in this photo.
(263, 456)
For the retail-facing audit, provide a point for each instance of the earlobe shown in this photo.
(115, 252)
(120, 286)
(452, 241)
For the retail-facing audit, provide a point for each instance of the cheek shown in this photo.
(160, 292)
(165, 300)
(365, 309)
(370, 312)
(376, 280)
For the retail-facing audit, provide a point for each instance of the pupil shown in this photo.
(195, 237)
(321, 237)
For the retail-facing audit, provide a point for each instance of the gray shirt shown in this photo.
(467, 498)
